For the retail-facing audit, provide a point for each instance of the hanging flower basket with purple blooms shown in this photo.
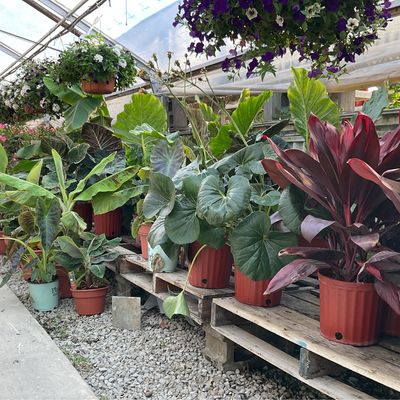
(327, 33)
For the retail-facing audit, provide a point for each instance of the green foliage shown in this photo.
(78, 114)
(377, 103)
(309, 95)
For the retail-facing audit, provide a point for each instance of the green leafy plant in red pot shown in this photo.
(86, 262)
(356, 271)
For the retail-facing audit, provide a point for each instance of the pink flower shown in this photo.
(2, 126)
(3, 139)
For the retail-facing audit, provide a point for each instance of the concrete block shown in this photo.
(126, 312)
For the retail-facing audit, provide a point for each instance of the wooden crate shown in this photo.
(198, 299)
(319, 359)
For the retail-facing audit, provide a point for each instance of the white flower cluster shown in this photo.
(11, 97)
(313, 10)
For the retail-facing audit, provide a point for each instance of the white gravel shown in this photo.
(162, 361)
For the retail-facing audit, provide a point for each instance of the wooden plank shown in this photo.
(373, 362)
(391, 343)
(143, 280)
(289, 364)
(303, 307)
(313, 366)
(178, 279)
(308, 281)
(307, 297)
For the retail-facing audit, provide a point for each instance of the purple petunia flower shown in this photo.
(226, 64)
(220, 7)
(314, 73)
(251, 67)
(268, 56)
(245, 3)
(332, 5)
(269, 6)
(199, 48)
(341, 25)
(332, 69)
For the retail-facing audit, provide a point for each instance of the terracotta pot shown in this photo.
(212, 268)
(109, 223)
(251, 292)
(391, 322)
(349, 311)
(143, 233)
(85, 211)
(98, 87)
(64, 286)
(3, 243)
(89, 301)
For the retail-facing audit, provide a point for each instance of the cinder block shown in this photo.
(126, 312)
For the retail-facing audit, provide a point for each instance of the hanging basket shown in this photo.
(98, 87)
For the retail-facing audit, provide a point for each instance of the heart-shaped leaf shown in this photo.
(218, 207)
(166, 158)
(176, 305)
(255, 246)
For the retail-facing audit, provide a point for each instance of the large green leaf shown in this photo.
(96, 170)
(157, 234)
(182, 224)
(144, 108)
(176, 305)
(105, 202)
(108, 184)
(31, 151)
(73, 222)
(247, 111)
(48, 214)
(306, 96)
(219, 208)
(292, 208)
(3, 159)
(79, 113)
(375, 105)
(67, 94)
(255, 246)
(213, 236)
(98, 270)
(77, 153)
(242, 161)
(60, 174)
(166, 158)
(264, 196)
(34, 173)
(221, 142)
(161, 196)
(68, 246)
(99, 137)
(20, 184)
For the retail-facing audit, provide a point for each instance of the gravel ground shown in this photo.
(162, 361)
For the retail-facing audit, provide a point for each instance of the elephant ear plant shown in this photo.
(47, 220)
(347, 175)
(229, 202)
(27, 191)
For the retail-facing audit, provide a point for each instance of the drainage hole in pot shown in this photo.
(268, 302)
(338, 336)
(205, 280)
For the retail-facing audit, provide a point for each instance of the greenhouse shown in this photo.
(200, 199)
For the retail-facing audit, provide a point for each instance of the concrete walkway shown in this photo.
(32, 367)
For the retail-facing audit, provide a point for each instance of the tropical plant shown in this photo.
(352, 213)
(47, 220)
(92, 59)
(26, 192)
(329, 34)
(87, 260)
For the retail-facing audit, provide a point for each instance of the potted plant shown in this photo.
(98, 66)
(327, 34)
(86, 263)
(43, 283)
(349, 211)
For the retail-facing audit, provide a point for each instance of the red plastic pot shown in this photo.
(109, 223)
(98, 87)
(349, 311)
(89, 301)
(212, 268)
(64, 285)
(3, 243)
(251, 292)
(143, 233)
(391, 322)
(85, 211)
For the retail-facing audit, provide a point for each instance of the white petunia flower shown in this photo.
(279, 20)
(317, 8)
(309, 12)
(251, 13)
(43, 103)
(122, 63)
(117, 51)
(98, 58)
(7, 103)
(55, 107)
(39, 86)
(352, 23)
(15, 107)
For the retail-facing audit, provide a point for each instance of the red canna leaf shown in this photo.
(315, 253)
(312, 226)
(271, 167)
(390, 294)
(366, 242)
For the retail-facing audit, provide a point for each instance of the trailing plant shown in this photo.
(328, 34)
(92, 59)
(87, 260)
(353, 214)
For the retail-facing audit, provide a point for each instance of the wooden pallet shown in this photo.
(319, 359)
(198, 299)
